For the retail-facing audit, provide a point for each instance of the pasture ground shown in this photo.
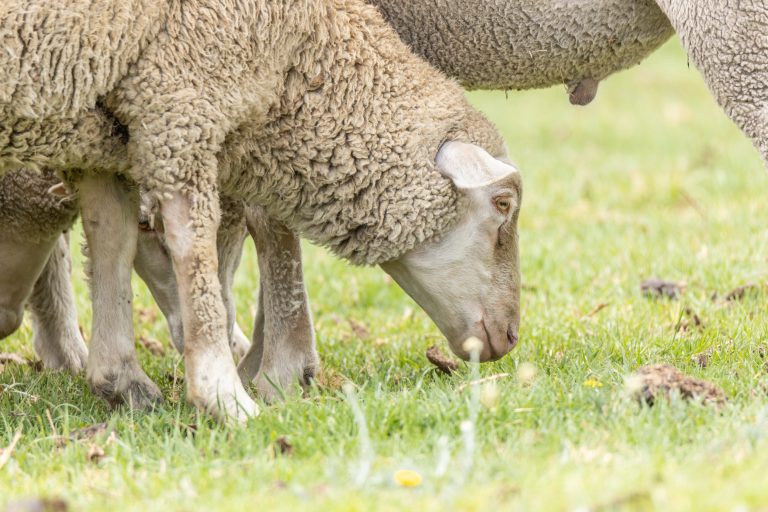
(651, 180)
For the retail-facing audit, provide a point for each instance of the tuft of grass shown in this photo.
(651, 180)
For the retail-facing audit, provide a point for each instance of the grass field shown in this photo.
(650, 180)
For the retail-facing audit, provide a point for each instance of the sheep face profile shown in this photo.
(468, 281)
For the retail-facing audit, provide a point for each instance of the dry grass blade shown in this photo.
(5, 453)
(741, 292)
(477, 382)
(6, 357)
(597, 309)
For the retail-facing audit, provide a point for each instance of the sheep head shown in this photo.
(468, 280)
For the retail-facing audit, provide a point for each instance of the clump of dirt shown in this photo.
(659, 288)
(329, 379)
(10, 358)
(690, 320)
(283, 446)
(702, 358)
(659, 381)
(152, 345)
(444, 363)
(741, 292)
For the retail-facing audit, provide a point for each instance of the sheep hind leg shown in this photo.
(283, 351)
(191, 220)
(57, 338)
(109, 210)
(229, 241)
(728, 43)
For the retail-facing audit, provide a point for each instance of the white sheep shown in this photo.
(333, 126)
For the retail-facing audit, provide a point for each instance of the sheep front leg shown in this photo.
(191, 220)
(109, 211)
(283, 350)
(728, 42)
(57, 338)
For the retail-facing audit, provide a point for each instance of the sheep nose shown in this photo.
(512, 336)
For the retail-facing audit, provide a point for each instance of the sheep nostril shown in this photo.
(512, 337)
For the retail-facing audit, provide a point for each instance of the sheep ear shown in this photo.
(470, 166)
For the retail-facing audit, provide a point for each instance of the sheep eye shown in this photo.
(144, 225)
(503, 204)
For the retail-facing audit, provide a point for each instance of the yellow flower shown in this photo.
(407, 478)
(593, 383)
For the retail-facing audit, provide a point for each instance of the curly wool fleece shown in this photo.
(728, 42)
(57, 59)
(347, 154)
(28, 212)
(524, 44)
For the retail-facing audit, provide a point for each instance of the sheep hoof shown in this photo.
(271, 382)
(240, 344)
(67, 354)
(130, 387)
(226, 399)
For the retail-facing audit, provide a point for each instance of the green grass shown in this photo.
(650, 180)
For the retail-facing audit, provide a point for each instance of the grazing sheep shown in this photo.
(524, 44)
(344, 135)
(333, 126)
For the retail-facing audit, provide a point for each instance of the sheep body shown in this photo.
(524, 44)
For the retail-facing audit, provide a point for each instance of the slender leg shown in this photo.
(229, 241)
(251, 363)
(191, 220)
(154, 266)
(57, 338)
(283, 349)
(109, 210)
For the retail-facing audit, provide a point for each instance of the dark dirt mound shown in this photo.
(653, 382)
(659, 288)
